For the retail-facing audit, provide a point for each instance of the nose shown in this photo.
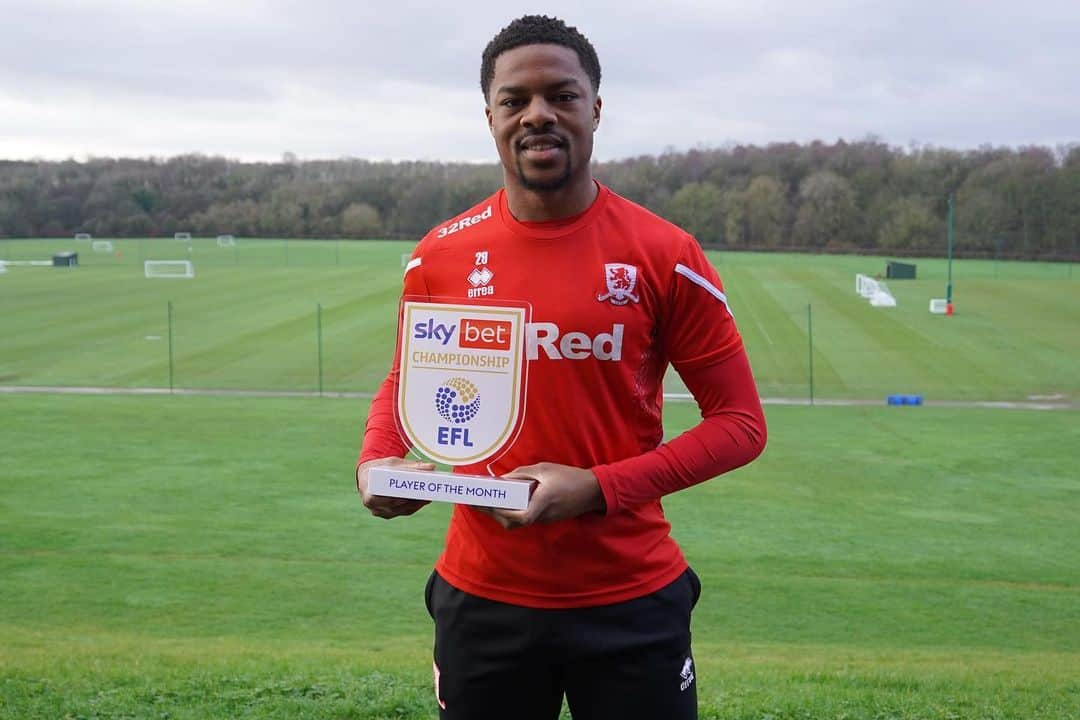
(538, 114)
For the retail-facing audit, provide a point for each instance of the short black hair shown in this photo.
(538, 30)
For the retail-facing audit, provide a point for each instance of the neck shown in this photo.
(541, 206)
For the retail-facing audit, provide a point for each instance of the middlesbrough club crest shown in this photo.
(621, 280)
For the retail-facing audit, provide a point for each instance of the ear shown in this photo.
(490, 119)
(596, 113)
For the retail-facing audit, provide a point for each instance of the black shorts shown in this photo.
(626, 661)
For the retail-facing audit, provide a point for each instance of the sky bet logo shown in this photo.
(475, 334)
(485, 334)
(433, 331)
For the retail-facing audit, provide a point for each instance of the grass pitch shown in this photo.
(193, 557)
(252, 326)
(250, 320)
(874, 563)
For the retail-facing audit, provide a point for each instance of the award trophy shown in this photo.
(460, 400)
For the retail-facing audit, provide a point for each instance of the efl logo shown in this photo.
(485, 334)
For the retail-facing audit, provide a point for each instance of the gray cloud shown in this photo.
(252, 78)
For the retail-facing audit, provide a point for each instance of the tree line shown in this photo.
(861, 196)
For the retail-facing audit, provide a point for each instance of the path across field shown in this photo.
(1062, 404)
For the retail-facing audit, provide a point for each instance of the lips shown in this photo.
(542, 150)
(540, 143)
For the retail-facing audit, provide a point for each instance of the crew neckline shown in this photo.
(550, 229)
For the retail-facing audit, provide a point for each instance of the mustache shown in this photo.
(548, 136)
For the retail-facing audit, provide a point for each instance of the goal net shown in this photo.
(226, 241)
(102, 246)
(186, 237)
(86, 237)
(169, 269)
(876, 291)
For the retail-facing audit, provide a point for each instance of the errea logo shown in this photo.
(687, 674)
(463, 223)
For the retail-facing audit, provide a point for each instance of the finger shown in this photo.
(522, 474)
(400, 504)
(493, 514)
(524, 471)
(380, 509)
(510, 519)
(396, 508)
(382, 502)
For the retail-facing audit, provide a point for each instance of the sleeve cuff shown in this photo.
(606, 482)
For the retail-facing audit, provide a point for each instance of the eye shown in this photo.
(566, 97)
(511, 102)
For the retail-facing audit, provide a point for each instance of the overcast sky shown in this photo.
(398, 79)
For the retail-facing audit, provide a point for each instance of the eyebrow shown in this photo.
(521, 89)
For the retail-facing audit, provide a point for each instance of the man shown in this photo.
(583, 593)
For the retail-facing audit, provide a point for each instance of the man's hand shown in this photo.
(562, 492)
(380, 505)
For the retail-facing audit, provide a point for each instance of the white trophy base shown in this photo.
(480, 490)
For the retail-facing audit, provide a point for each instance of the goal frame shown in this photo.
(188, 267)
(876, 291)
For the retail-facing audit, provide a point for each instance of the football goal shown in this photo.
(26, 263)
(84, 237)
(186, 237)
(226, 241)
(876, 291)
(169, 269)
(938, 306)
(102, 246)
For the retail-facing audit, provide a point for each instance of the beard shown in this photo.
(556, 183)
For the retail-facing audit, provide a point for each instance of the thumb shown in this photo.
(524, 472)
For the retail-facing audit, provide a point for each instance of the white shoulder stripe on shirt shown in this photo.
(702, 282)
(415, 262)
